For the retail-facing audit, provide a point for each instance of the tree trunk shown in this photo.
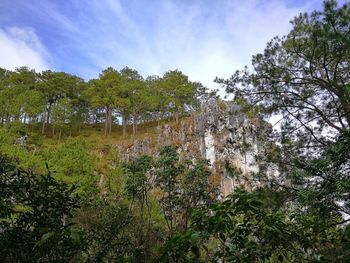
(110, 121)
(48, 113)
(43, 123)
(176, 117)
(106, 122)
(96, 118)
(134, 125)
(346, 108)
(124, 117)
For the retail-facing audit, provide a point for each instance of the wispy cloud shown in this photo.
(204, 39)
(22, 47)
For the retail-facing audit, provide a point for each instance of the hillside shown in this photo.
(132, 168)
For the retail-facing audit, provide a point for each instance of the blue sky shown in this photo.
(204, 39)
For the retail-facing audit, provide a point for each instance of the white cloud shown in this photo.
(252, 24)
(202, 40)
(241, 31)
(201, 43)
(22, 47)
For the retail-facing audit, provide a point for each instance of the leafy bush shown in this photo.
(35, 212)
(73, 163)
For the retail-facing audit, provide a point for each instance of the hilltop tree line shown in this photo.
(60, 99)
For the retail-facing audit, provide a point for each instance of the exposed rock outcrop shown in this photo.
(232, 141)
(224, 135)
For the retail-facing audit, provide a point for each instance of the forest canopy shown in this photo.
(59, 99)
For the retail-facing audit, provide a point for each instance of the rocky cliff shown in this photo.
(233, 143)
(221, 133)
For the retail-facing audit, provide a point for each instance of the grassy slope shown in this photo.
(101, 147)
(40, 148)
(86, 158)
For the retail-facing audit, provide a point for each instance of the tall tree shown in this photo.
(62, 111)
(168, 171)
(55, 86)
(7, 96)
(159, 99)
(180, 90)
(17, 88)
(103, 93)
(132, 96)
(304, 77)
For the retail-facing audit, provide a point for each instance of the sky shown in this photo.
(203, 39)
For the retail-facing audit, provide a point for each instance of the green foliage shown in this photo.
(181, 91)
(196, 188)
(107, 238)
(103, 92)
(248, 230)
(61, 113)
(72, 158)
(300, 224)
(17, 128)
(326, 181)
(137, 185)
(169, 169)
(73, 163)
(185, 186)
(182, 247)
(10, 146)
(164, 208)
(159, 99)
(35, 215)
(32, 102)
(303, 77)
(59, 100)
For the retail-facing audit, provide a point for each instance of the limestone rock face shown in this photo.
(231, 141)
(224, 135)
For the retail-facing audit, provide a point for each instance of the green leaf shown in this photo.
(75, 236)
(44, 238)
(194, 238)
